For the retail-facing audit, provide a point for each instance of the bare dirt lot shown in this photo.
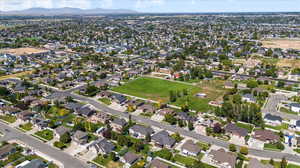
(282, 43)
(22, 51)
(291, 63)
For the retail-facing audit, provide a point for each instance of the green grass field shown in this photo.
(8, 118)
(45, 134)
(153, 88)
(159, 90)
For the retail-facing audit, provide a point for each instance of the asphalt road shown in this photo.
(271, 107)
(13, 134)
(184, 132)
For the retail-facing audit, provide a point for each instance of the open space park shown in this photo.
(159, 90)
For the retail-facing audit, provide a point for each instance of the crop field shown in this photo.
(282, 43)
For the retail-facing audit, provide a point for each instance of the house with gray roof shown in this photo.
(273, 120)
(102, 146)
(61, 130)
(140, 131)
(80, 137)
(163, 139)
(129, 159)
(117, 124)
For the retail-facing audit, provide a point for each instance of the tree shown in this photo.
(217, 128)
(190, 125)
(272, 162)
(113, 156)
(65, 138)
(170, 119)
(244, 150)
(148, 137)
(283, 163)
(232, 148)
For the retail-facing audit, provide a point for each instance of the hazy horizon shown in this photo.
(160, 6)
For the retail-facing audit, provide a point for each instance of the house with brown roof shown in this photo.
(266, 136)
(129, 159)
(221, 158)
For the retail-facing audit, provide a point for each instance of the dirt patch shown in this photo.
(15, 75)
(290, 63)
(23, 51)
(282, 43)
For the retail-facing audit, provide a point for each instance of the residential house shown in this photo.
(221, 158)
(273, 120)
(80, 137)
(140, 131)
(117, 124)
(35, 163)
(156, 163)
(295, 107)
(147, 108)
(85, 111)
(99, 117)
(102, 147)
(162, 139)
(129, 159)
(190, 148)
(166, 111)
(25, 115)
(9, 110)
(61, 130)
(118, 98)
(266, 136)
(236, 133)
(228, 85)
(7, 150)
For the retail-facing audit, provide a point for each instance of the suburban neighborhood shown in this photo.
(150, 91)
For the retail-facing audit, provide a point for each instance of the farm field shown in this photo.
(282, 43)
(159, 90)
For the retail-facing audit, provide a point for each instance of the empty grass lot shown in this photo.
(159, 90)
(153, 88)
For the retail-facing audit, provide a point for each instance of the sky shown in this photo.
(161, 6)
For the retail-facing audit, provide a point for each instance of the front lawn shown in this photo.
(274, 147)
(45, 134)
(283, 126)
(187, 161)
(105, 101)
(26, 127)
(249, 127)
(107, 162)
(285, 110)
(8, 118)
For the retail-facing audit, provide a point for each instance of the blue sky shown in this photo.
(160, 5)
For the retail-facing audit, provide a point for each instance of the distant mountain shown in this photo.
(67, 11)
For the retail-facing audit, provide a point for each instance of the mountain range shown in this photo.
(67, 11)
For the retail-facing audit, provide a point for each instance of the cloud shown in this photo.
(146, 4)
